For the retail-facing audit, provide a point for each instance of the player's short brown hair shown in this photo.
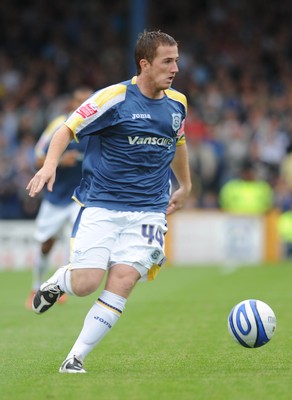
(147, 44)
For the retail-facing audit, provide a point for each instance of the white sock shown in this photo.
(63, 278)
(99, 321)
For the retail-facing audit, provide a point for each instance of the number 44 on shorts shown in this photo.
(152, 233)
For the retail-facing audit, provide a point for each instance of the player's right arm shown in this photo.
(47, 174)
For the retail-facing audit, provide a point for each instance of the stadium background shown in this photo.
(236, 71)
(235, 68)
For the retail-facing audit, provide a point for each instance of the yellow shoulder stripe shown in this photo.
(177, 96)
(109, 93)
(101, 99)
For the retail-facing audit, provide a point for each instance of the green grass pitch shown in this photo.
(171, 343)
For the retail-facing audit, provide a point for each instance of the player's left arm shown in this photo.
(181, 170)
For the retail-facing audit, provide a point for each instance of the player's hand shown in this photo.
(177, 200)
(46, 175)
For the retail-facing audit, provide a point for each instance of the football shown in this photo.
(252, 323)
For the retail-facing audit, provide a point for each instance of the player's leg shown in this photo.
(49, 222)
(140, 249)
(66, 217)
(72, 211)
(102, 316)
(94, 235)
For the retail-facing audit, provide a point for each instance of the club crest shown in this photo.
(176, 121)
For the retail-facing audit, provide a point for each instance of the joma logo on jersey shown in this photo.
(141, 116)
(87, 110)
(166, 142)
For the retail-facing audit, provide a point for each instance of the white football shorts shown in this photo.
(52, 219)
(106, 237)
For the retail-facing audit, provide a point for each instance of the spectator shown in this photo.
(246, 194)
(232, 62)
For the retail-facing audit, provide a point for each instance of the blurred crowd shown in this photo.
(235, 68)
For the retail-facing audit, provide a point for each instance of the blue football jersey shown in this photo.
(67, 178)
(132, 142)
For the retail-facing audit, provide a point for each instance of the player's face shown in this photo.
(164, 67)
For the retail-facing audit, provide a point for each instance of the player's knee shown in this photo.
(122, 281)
(128, 282)
(85, 282)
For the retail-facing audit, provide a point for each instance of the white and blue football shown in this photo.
(252, 323)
